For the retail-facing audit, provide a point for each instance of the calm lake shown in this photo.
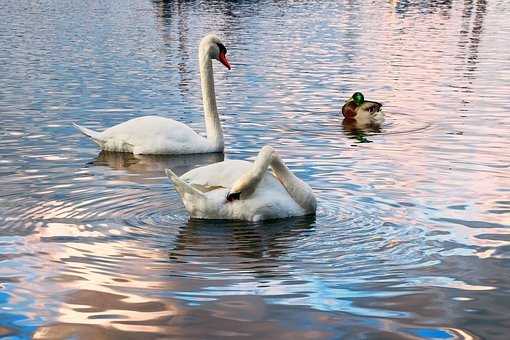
(412, 234)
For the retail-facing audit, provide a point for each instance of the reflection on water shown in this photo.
(469, 41)
(223, 239)
(411, 237)
(360, 129)
(147, 166)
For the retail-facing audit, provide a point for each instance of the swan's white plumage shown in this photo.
(159, 135)
(152, 135)
(204, 193)
(223, 174)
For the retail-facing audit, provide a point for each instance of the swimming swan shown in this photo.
(241, 190)
(159, 135)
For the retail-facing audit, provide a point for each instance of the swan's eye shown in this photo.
(222, 48)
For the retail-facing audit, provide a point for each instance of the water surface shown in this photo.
(412, 236)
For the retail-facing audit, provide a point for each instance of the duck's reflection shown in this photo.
(360, 130)
(240, 247)
(148, 166)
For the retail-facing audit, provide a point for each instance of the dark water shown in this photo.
(412, 236)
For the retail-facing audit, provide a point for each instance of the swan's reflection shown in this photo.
(239, 247)
(145, 167)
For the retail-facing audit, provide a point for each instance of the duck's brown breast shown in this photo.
(349, 110)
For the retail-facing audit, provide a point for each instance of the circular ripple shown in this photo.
(394, 123)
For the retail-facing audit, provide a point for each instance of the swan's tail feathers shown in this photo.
(95, 136)
(182, 187)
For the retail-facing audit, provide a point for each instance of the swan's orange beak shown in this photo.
(223, 59)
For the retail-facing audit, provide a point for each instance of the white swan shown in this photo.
(159, 135)
(241, 190)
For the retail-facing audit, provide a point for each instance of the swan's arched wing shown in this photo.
(222, 174)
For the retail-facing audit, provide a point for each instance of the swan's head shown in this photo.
(212, 47)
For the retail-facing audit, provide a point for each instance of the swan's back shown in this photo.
(270, 199)
(155, 135)
(221, 174)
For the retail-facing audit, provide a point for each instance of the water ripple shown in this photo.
(411, 234)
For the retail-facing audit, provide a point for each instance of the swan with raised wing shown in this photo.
(159, 135)
(242, 190)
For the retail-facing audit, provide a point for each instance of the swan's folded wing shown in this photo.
(222, 174)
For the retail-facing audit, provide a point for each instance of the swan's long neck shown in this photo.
(297, 189)
(212, 120)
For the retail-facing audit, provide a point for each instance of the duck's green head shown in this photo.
(358, 98)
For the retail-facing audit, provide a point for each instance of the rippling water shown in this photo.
(412, 235)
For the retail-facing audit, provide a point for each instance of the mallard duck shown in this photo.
(356, 107)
